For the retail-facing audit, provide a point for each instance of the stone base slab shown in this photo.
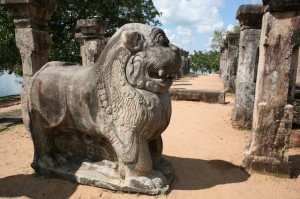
(267, 165)
(99, 174)
(210, 96)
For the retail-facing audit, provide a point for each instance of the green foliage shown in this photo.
(217, 39)
(219, 35)
(10, 59)
(62, 27)
(207, 61)
(236, 28)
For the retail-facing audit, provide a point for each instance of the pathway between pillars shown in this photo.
(10, 111)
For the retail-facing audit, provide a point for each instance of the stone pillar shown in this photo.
(224, 62)
(232, 61)
(184, 63)
(222, 49)
(250, 17)
(32, 38)
(273, 110)
(91, 39)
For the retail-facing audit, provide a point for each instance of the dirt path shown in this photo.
(198, 82)
(203, 148)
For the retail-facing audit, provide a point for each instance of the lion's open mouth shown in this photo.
(161, 78)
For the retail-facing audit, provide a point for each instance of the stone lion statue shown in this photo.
(102, 125)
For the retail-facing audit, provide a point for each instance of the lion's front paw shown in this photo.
(141, 182)
(155, 180)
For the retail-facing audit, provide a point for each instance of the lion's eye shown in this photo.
(161, 39)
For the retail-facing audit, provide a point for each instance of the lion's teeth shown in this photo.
(161, 73)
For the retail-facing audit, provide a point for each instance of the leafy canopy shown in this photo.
(219, 35)
(207, 61)
(62, 27)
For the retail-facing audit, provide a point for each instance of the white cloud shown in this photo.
(181, 36)
(201, 14)
(230, 27)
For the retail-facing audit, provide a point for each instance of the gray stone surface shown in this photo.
(185, 68)
(102, 125)
(250, 17)
(210, 96)
(232, 62)
(223, 61)
(32, 38)
(281, 5)
(273, 109)
(91, 39)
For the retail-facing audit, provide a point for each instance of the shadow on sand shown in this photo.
(35, 186)
(191, 174)
(196, 174)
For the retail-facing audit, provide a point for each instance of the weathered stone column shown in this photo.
(184, 63)
(232, 62)
(91, 39)
(224, 63)
(32, 38)
(250, 17)
(273, 112)
(222, 48)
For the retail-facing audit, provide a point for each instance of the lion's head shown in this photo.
(153, 59)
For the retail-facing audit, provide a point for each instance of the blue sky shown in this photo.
(190, 23)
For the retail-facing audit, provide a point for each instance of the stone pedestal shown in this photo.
(91, 39)
(273, 110)
(250, 17)
(232, 61)
(32, 38)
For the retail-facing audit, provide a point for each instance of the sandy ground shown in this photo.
(199, 82)
(9, 108)
(203, 148)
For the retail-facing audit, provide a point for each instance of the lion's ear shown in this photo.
(133, 41)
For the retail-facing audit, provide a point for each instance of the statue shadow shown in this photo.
(35, 186)
(196, 174)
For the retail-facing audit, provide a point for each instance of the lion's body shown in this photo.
(101, 109)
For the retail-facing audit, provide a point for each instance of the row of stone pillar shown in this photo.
(228, 61)
(185, 64)
(266, 85)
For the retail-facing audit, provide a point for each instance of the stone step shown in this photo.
(9, 118)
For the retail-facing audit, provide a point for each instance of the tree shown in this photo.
(207, 61)
(10, 59)
(213, 63)
(62, 26)
(219, 35)
(217, 39)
